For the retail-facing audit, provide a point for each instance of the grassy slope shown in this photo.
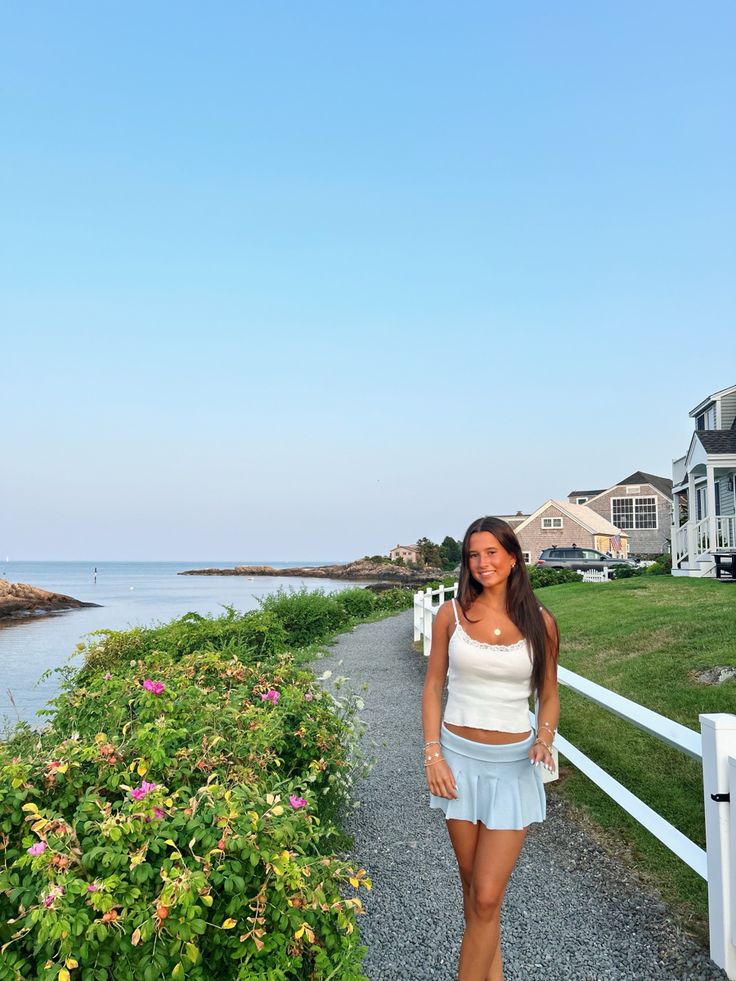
(645, 638)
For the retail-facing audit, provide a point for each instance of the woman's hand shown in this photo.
(538, 754)
(440, 780)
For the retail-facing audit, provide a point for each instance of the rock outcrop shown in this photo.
(358, 571)
(18, 599)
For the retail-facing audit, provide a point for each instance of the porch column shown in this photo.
(710, 494)
(692, 519)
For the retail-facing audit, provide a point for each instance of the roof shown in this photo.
(717, 440)
(662, 484)
(589, 493)
(711, 398)
(584, 516)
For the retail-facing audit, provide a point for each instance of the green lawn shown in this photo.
(645, 638)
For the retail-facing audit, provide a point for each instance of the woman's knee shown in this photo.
(485, 901)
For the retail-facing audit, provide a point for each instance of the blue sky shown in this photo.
(302, 281)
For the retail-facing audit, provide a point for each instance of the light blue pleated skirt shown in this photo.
(496, 785)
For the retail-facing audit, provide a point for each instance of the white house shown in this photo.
(703, 483)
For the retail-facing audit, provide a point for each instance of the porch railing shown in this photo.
(680, 548)
(702, 536)
(714, 746)
(725, 532)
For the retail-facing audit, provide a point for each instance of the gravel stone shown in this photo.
(571, 911)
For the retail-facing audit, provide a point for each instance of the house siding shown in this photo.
(642, 541)
(728, 410)
(534, 538)
(728, 505)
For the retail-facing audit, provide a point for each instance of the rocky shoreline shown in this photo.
(18, 599)
(359, 571)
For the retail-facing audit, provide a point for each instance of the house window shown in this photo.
(551, 522)
(701, 503)
(636, 512)
(645, 512)
(580, 500)
(527, 556)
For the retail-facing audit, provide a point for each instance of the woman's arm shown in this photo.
(439, 776)
(548, 715)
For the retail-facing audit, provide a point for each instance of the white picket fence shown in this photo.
(714, 746)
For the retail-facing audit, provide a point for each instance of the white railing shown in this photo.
(726, 532)
(595, 575)
(714, 746)
(679, 544)
(702, 536)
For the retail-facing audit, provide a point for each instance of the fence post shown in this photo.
(442, 593)
(418, 614)
(718, 733)
(427, 629)
(732, 794)
(455, 588)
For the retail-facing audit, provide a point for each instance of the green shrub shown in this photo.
(307, 615)
(624, 571)
(394, 600)
(182, 808)
(540, 576)
(256, 633)
(358, 603)
(661, 567)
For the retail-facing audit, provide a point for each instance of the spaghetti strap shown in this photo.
(454, 608)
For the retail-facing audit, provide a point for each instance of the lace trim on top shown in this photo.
(480, 643)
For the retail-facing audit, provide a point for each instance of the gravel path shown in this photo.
(571, 912)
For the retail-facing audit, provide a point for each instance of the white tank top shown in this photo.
(488, 684)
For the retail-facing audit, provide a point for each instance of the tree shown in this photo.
(429, 552)
(450, 552)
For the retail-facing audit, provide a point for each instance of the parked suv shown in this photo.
(578, 558)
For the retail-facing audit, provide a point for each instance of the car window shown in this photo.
(563, 553)
(575, 553)
(590, 553)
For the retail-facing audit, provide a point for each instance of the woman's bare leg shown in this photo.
(486, 859)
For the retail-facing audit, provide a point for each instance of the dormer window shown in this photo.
(707, 420)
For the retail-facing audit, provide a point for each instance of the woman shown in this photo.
(483, 763)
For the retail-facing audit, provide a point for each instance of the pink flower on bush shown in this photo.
(38, 849)
(271, 696)
(308, 696)
(157, 687)
(297, 801)
(138, 793)
(54, 891)
(158, 815)
(93, 887)
(107, 676)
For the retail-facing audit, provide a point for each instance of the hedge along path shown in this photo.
(571, 910)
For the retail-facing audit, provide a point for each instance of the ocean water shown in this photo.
(131, 594)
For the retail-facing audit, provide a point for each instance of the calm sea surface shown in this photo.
(131, 594)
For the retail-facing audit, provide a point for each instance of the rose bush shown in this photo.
(180, 815)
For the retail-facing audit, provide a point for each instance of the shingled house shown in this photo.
(561, 523)
(640, 505)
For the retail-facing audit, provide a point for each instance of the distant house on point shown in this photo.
(409, 553)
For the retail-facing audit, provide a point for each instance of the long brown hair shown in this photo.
(522, 606)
